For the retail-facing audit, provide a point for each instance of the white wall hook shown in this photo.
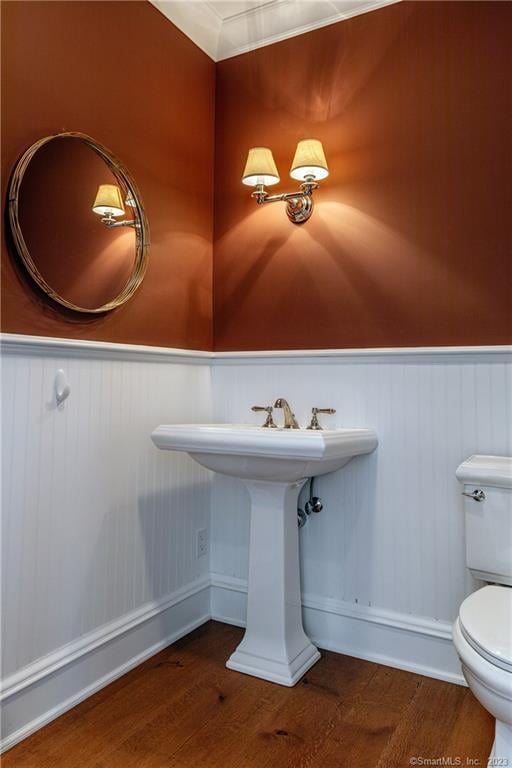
(62, 387)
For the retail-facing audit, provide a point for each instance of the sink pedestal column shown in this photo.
(275, 646)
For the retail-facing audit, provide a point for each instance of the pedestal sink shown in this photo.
(274, 464)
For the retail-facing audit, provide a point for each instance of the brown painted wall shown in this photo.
(410, 242)
(125, 75)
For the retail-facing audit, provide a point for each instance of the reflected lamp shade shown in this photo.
(260, 168)
(108, 201)
(309, 160)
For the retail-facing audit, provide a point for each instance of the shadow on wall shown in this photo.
(331, 541)
(320, 83)
(345, 263)
(375, 260)
(251, 274)
(144, 568)
(183, 277)
(230, 528)
(168, 535)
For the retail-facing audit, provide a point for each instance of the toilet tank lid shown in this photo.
(493, 471)
(486, 617)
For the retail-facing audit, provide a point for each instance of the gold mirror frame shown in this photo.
(141, 231)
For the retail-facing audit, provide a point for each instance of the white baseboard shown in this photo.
(416, 644)
(46, 689)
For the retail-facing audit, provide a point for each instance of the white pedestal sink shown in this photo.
(274, 464)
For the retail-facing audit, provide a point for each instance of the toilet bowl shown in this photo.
(482, 635)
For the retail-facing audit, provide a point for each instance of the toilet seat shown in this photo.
(486, 623)
(491, 685)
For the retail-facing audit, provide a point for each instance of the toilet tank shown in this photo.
(487, 489)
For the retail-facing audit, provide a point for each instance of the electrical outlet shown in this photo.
(202, 542)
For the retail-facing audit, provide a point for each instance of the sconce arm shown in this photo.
(126, 223)
(299, 205)
(284, 196)
(262, 196)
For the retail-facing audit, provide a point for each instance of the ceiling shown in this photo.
(225, 28)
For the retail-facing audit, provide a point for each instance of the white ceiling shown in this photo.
(225, 28)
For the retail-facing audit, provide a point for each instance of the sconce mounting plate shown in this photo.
(299, 209)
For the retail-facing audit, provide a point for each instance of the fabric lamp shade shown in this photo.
(260, 168)
(108, 201)
(309, 160)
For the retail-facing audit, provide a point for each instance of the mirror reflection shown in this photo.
(80, 225)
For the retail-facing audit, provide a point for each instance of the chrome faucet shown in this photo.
(290, 422)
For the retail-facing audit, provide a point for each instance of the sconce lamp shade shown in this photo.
(260, 168)
(309, 160)
(108, 201)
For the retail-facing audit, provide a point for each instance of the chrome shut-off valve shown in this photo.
(313, 505)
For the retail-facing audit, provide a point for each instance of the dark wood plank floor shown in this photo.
(184, 709)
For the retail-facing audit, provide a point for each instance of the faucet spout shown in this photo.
(290, 422)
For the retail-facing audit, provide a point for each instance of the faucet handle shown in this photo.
(314, 417)
(269, 421)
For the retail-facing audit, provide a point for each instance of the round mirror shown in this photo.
(77, 223)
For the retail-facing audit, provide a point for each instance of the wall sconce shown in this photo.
(309, 167)
(109, 205)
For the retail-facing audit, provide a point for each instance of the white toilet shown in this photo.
(482, 633)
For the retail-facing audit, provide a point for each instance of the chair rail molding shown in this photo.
(21, 344)
(499, 353)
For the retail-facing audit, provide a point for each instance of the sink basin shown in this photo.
(274, 464)
(254, 453)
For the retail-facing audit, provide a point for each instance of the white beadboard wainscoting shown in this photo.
(383, 565)
(100, 566)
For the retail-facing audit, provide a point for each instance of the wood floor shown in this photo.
(184, 709)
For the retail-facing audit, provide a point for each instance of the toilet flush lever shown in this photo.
(477, 495)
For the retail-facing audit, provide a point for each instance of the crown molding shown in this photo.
(196, 20)
(222, 37)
